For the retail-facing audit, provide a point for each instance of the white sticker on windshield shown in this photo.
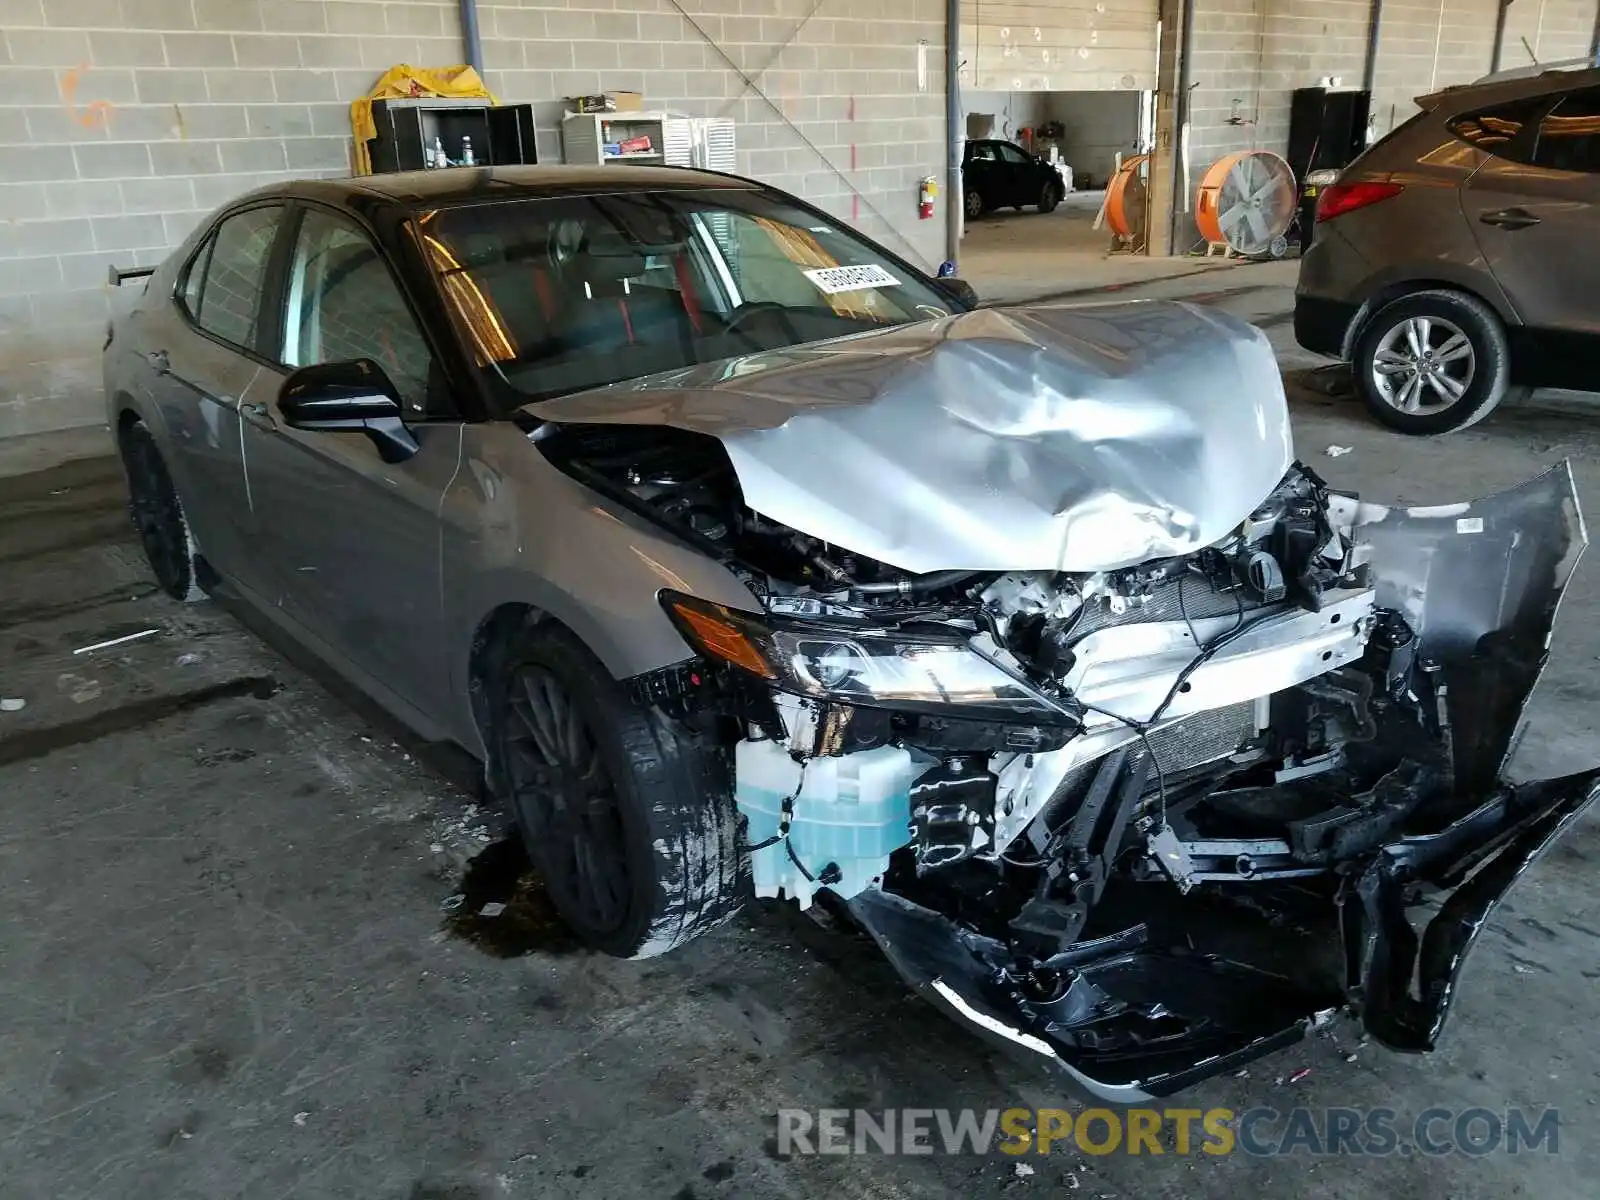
(834, 280)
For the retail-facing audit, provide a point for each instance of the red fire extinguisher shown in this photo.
(926, 195)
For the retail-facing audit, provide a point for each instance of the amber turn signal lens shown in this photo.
(717, 633)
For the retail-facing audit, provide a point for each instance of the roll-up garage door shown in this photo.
(1058, 45)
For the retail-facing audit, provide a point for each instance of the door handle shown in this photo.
(256, 408)
(159, 362)
(1510, 218)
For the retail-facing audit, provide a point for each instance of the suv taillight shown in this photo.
(1340, 198)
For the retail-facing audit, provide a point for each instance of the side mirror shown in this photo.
(354, 396)
(959, 290)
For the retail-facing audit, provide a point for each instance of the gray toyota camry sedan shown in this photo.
(751, 561)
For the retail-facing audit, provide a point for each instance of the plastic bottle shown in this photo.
(439, 160)
(466, 153)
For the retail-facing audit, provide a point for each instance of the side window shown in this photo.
(235, 263)
(982, 152)
(344, 304)
(1569, 136)
(1011, 154)
(195, 278)
(1493, 130)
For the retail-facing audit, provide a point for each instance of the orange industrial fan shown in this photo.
(1246, 203)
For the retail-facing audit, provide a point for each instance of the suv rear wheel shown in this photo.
(1433, 362)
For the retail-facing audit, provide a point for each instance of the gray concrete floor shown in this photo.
(224, 969)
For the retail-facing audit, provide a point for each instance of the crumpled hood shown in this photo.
(1072, 438)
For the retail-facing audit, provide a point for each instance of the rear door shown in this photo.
(1021, 175)
(352, 542)
(983, 173)
(1535, 210)
(208, 365)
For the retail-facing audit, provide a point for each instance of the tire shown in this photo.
(654, 860)
(1422, 402)
(1050, 198)
(974, 204)
(159, 518)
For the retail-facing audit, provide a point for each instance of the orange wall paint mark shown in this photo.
(94, 115)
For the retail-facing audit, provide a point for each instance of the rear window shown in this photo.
(1494, 129)
(1568, 138)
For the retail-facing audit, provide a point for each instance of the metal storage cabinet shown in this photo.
(705, 142)
(502, 135)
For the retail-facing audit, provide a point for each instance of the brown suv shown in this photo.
(1457, 261)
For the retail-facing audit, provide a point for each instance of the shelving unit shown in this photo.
(675, 141)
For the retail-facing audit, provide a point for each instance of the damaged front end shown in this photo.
(1121, 763)
(1149, 823)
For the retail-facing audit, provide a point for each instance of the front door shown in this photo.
(353, 541)
(1537, 222)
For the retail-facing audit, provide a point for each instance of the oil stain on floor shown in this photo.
(502, 908)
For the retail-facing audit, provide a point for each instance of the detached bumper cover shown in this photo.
(1129, 1017)
(1128, 1021)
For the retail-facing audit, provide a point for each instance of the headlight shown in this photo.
(882, 668)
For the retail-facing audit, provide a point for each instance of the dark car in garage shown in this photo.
(1454, 263)
(997, 174)
(750, 561)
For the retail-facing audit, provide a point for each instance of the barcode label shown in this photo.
(833, 280)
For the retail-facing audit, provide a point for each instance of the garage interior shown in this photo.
(225, 968)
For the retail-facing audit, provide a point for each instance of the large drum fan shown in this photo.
(1246, 202)
(1126, 203)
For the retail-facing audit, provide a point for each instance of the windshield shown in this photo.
(563, 294)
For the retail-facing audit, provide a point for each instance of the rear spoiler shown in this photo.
(118, 276)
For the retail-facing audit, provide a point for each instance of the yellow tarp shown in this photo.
(407, 83)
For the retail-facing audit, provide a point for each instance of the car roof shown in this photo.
(1510, 85)
(433, 189)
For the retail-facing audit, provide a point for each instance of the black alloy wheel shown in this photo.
(566, 801)
(158, 515)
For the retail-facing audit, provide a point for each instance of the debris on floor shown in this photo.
(492, 909)
(1022, 1170)
(117, 641)
(188, 660)
(13, 704)
(1337, 451)
(1297, 1076)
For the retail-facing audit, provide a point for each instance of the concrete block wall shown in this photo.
(1424, 45)
(122, 122)
(1250, 55)
(1256, 52)
(847, 108)
(1554, 29)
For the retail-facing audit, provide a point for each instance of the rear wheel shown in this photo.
(1433, 362)
(158, 515)
(974, 202)
(628, 818)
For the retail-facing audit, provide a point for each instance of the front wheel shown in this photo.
(628, 818)
(1433, 362)
(1050, 198)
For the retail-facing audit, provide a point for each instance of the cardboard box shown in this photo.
(607, 102)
